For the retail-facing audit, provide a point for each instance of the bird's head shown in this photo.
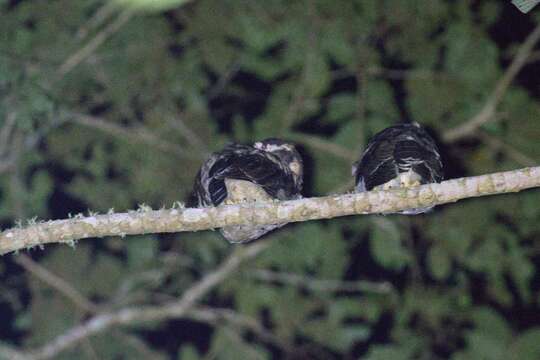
(287, 155)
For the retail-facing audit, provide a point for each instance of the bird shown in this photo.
(267, 170)
(400, 156)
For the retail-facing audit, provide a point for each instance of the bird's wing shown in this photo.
(377, 165)
(253, 166)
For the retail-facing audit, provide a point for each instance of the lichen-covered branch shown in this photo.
(147, 221)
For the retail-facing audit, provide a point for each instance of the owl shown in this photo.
(268, 169)
(401, 156)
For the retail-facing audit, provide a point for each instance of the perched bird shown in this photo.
(399, 156)
(270, 169)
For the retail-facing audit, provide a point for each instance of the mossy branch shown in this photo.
(146, 221)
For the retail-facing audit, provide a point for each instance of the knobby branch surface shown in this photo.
(145, 221)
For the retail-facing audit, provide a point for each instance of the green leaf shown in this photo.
(323, 255)
(490, 337)
(141, 250)
(526, 346)
(258, 36)
(439, 262)
(316, 74)
(228, 345)
(379, 100)
(338, 337)
(386, 245)
(341, 107)
(105, 275)
(387, 352)
(188, 352)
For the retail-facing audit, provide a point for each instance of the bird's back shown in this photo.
(398, 149)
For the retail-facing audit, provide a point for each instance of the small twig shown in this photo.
(324, 145)
(6, 132)
(488, 111)
(125, 295)
(298, 98)
(79, 300)
(7, 155)
(29, 143)
(295, 105)
(399, 74)
(361, 107)
(320, 284)
(99, 17)
(83, 53)
(57, 283)
(138, 135)
(512, 152)
(393, 74)
(216, 316)
(189, 135)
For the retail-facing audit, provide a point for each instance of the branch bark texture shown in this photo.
(194, 219)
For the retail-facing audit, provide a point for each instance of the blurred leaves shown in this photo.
(229, 346)
(492, 339)
(386, 244)
(186, 77)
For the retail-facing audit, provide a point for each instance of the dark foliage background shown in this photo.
(102, 108)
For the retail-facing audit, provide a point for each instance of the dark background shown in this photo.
(104, 107)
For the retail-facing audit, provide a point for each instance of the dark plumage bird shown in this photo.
(270, 169)
(399, 156)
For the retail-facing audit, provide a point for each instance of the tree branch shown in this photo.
(143, 314)
(71, 293)
(59, 284)
(488, 111)
(216, 316)
(135, 134)
(510, 151)
(146, 221)
(83, 53)
(325, 145)
(321, 285)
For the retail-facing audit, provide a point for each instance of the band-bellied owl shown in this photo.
(399, 156)
(270, 169)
